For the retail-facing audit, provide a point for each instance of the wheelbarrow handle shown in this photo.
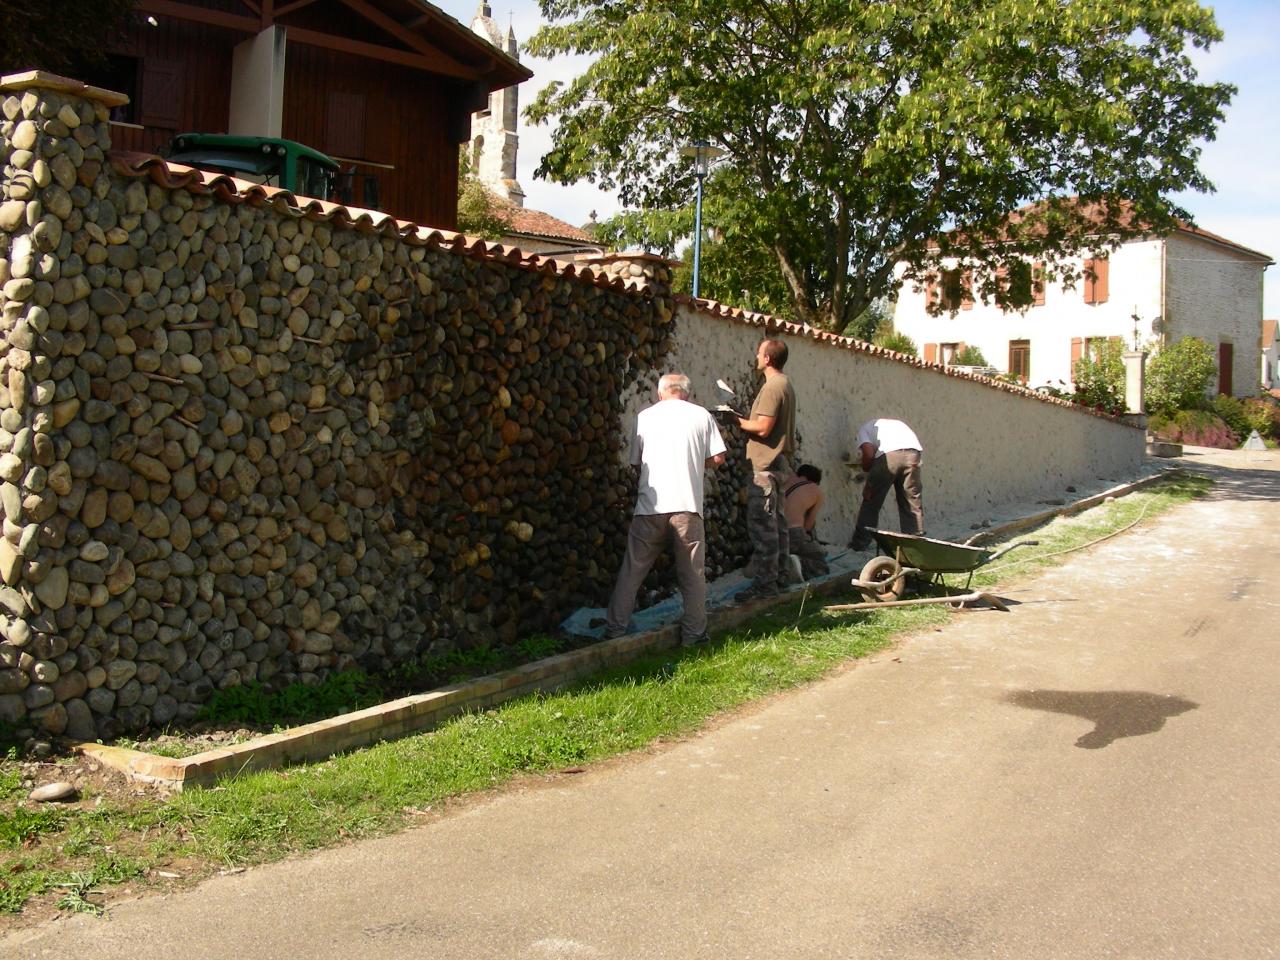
(1021, 543)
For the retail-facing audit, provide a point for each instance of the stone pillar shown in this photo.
(53, 142)
(1135, 382)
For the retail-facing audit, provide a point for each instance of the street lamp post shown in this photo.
(702, 153)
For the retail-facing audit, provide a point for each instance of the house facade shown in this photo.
(1148, 291)
(385, 87)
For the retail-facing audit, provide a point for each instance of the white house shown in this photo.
(1270, 347)
(1150, 290)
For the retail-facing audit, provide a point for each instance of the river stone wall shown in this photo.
(239, 443)
(242, 441)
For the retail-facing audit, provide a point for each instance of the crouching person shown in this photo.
(803, 498)
(675, 442)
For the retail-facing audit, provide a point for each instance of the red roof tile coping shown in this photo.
(177, 176)
(772, 324)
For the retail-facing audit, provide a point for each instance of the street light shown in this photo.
(702, 153)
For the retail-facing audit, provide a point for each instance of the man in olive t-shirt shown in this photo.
(770, 428)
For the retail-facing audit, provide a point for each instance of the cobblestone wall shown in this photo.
(238, 443)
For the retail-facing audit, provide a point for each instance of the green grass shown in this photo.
(258, 817)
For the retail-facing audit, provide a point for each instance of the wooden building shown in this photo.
(386, 87)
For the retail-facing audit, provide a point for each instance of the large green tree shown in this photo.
(859, 134)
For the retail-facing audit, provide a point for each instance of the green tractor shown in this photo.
(268, 160)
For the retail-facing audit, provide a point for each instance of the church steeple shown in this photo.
(494, 140)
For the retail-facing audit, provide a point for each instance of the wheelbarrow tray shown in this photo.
(929, 555)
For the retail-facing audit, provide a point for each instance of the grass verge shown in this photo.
(69, 855)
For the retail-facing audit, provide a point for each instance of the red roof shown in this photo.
(1101, 218)
(1268, 333)
(535, 223)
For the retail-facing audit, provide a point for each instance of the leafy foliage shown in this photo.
(64, 36)
(480, 212)
(971, 356)
(1099, 377)
(1178, 375)
(859, 134)
(891, 339)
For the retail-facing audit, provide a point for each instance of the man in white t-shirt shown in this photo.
(891, 454)
(675, 442)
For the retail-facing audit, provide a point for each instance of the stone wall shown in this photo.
(248, 437)
(245, 442)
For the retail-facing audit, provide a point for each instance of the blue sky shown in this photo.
(1244, 162)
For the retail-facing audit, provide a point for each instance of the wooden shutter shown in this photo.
(1077, 350)
(160, 94)
(930, 292)
(930, 353)
(1226, 358)
(1095, 280)
(966, 291)
(1037, 284)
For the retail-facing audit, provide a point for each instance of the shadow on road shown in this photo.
(1115, 713)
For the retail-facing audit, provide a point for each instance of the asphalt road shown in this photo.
(1092, 775)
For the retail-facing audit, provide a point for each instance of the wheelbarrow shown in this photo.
(883, 579)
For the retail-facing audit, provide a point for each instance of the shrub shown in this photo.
(1231, 411)
(1178, 375)
(970, 356)
(892, 340)
(1099, 377)
(1197, 427)
(1263, 414)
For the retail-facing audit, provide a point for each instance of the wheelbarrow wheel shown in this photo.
(883, 571)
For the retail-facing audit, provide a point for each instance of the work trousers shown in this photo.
(651, 534)
(767, 526)
(899, 471)
(813, 561)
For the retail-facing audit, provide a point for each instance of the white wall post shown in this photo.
(1135, 381)
(257, 85)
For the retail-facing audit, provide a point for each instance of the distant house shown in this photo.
(1270, 348)
(1150, 290)
(386, 87)
(536, 232)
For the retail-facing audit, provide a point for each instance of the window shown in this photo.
(1090, 347)
(953, 292)
(1020, 359)
(1037, 284)
(947, 353)
(1021, 285)
(1096, 280)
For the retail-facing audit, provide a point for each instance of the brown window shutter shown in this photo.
(1037, 283)
(966, 290)
(930, 292)
(930, 353)
(1226, 357)
(1100, 284)
(1089, 281)
(1077, 350)
(160, 94)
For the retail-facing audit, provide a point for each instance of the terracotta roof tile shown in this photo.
(1268, 333)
